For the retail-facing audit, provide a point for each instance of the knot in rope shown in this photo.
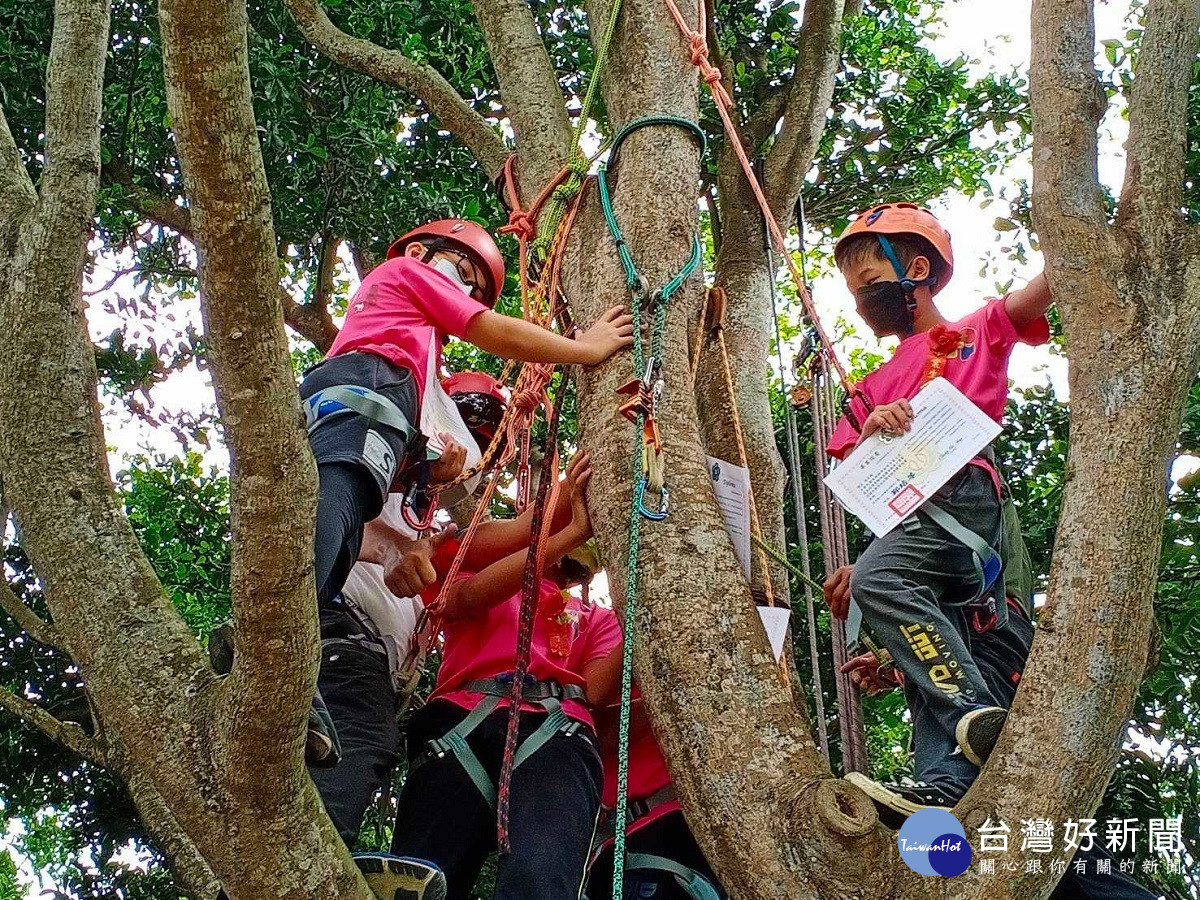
(521, 224)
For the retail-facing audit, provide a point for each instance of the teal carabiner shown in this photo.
(664, 503)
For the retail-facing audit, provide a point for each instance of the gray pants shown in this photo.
(911, 584)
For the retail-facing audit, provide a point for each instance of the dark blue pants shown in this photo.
(443, 818)
(910, 585)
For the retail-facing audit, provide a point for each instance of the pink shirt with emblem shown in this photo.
(567, 638)
(978, 368)
(401, 309)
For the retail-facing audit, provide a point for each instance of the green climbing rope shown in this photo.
(561, 197)
(640, 294)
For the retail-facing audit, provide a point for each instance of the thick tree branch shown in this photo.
(1067, 103)
(530, 88)
(74, 91)
(272, 479)
(70, 736)
(809, 93)
(36, 627)
(1157, 146)
(187, 864)
(396, 69)
(17, 195)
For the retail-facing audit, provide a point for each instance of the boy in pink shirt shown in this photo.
(931, 586)
(446, 810)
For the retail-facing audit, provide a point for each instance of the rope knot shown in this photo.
(521, 224)
(699, 49)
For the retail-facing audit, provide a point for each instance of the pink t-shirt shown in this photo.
(647, 773)
(401, 309)
(978, 367)
(567, 638)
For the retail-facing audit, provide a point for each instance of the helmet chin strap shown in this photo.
(431, 249)
(907, 284)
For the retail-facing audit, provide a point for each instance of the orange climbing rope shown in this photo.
(724, 103)
(715, 326)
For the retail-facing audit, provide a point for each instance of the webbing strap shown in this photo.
(455, 743)
(986, 559)
(532, 692)
(692, 882)
(556, 721)
(339, 399)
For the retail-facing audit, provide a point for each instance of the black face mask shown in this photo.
(886, 307)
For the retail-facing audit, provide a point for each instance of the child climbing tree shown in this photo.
(215, 765)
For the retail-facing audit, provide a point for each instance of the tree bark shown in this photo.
(763, 806)
(1130, 299)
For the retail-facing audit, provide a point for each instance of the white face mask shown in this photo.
(450, 270)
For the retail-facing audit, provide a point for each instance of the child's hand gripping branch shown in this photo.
(514, 338)
(500, 580)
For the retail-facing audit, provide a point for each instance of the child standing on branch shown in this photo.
(924, 590)
(440, 280)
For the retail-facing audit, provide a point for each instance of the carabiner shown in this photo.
(408, 511)
(664, 503)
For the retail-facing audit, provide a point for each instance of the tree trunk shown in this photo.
(701, 657)
(741, 269)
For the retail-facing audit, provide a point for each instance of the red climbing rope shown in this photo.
(724, 103)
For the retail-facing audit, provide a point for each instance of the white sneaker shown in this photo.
(401, 877)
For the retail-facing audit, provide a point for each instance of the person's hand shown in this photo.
(864, 673)
(837, 592)
(579, 473)
(449, 465)
(613, 331)
(894, 418)
(409, 567)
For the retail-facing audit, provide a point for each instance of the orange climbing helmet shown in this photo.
(890, 219)
(466, 237)
(481, 401)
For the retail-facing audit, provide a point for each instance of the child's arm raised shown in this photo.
(1029, 303)
(514, 338)
(499, 537)
(499, 581)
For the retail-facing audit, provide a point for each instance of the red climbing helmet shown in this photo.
(481, 401)
(904, 218)
(467, 237)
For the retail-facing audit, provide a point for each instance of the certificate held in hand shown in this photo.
(885, 480)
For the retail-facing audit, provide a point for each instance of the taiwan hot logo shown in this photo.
(933, 842)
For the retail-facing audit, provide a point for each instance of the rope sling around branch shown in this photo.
(645, 371)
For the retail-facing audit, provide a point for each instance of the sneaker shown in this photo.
(899, 798)
(978, 731)
(401, 877)
(322, 749)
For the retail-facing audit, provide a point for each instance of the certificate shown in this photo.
(884, 481)
(731, 484)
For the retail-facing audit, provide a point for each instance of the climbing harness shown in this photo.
(546, 694)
